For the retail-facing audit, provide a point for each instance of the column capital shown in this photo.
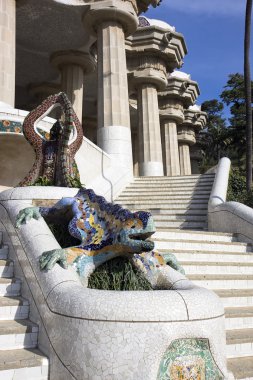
(149, 70)
(193, 116)
(171, 109)
(62, 58)
(180, 86)
(163, 43)
(142, 5)
(186, 135)
(120, 11)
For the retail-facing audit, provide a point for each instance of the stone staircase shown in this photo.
(217, 261)
(175, 202)
(19, 355)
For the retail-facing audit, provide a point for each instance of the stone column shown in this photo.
(186, 138)
(172, 115)
(152, 53)
(73, 65)
(180, 93)
(194, 120)
(7, 51)
(184, 157)
(150, 146)
(112, 21)
(171, 154)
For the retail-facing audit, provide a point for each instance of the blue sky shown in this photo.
(214, 33)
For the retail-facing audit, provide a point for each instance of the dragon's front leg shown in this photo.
(158, 273)
(74, 257)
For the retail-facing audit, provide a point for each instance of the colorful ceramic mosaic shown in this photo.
(143, 21)
(105, 231)
(54, 160)
(189, 359)
(10, 126)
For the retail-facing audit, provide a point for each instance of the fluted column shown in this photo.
(150, 147)
(171, 154)
(194, 120)
(111, 23)
(184, 158)
(73, 65)
(7, 51)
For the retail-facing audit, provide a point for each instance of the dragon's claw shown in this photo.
(27, 214)
(50, 258)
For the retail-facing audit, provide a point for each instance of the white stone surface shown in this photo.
(113, 335)
(225, 216)
(195, 107)
(180, 74)
(161, 24)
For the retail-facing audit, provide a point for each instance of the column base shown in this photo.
(151, 169)
(116, 141)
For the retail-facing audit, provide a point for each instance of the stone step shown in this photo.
(6, 268)
(172, 182)
(18, 334)
(173, 207)
(242, 368)
(180, 217)
(184, 197)
(213, 246)
(195, 255)
(180, 224)
(240, 317)
(195, 235)
(208, 182)
(198, 177)
(162, 193)
(4, 251)
(166, 203)
(239, 342)
(223, 281)
(216, 267)
(178, 212)
(13, 308)
(238, 297)
(163, 187)
(25, 364)
(10, 287)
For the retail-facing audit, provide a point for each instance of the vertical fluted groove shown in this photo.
(112, 76)
(171, 154)
(114, 134)
(150, 146)
(185, 161)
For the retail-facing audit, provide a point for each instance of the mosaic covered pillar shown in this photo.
(73, 65)
(7, 51)
(111, 22)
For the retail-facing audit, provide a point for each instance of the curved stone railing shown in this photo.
(92, 333)
(233, 217)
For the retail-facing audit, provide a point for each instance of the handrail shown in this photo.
(231, 217)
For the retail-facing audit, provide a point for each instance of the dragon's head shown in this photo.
(135, 231)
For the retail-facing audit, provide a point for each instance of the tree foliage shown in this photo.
(223, 137)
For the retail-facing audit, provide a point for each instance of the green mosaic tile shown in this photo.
(189, 359)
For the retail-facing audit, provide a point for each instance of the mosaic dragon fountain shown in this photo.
(105, 231)
(54, 161)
